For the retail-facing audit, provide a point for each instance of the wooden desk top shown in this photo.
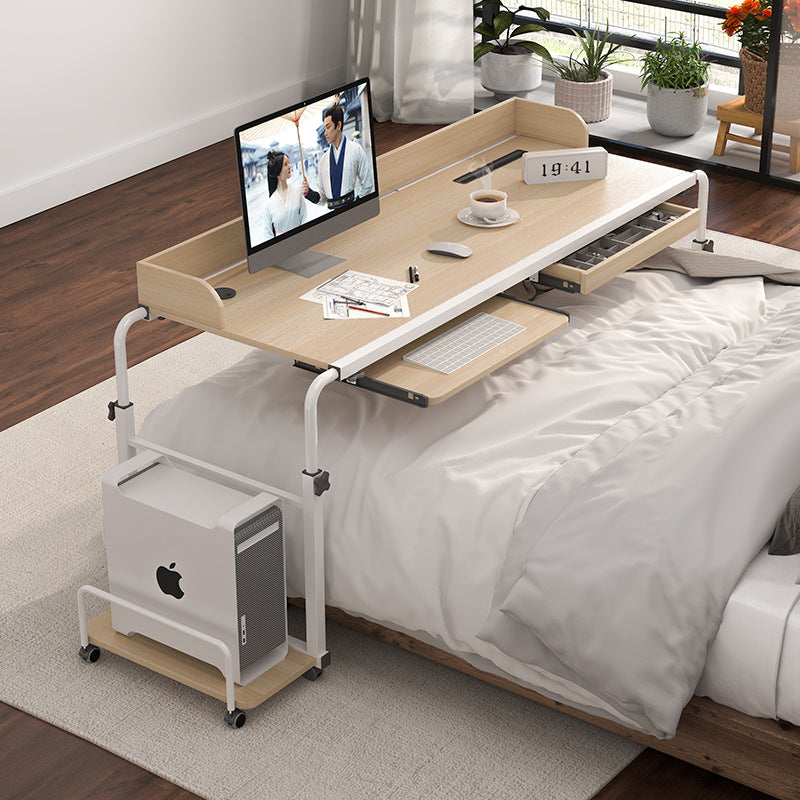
(555, 220)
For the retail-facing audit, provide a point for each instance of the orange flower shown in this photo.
(731, 25)
(750, 22)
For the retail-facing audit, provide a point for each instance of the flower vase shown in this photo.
(754, 75)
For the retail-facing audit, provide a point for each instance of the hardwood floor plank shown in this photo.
(68, 276)
(653, 775)
(42, 762)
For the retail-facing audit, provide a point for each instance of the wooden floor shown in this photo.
(67, 277)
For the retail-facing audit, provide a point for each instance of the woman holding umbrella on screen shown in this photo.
(286, 205)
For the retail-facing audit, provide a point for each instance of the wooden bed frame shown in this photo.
(763, 754)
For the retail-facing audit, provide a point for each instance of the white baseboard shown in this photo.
(78, 179)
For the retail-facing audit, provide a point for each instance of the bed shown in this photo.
(588, 524)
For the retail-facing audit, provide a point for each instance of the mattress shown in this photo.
(425, 503)
(753, 663)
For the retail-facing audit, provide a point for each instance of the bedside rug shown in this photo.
(380, 723)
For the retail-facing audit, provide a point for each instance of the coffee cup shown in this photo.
(488, 204)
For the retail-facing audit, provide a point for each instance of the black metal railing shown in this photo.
(631, 38)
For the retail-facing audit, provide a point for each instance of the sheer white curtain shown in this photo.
(418, 56)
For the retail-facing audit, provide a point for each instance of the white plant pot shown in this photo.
(511, 75)
(591, 99)
(676, 112)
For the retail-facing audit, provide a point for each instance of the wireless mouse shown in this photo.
(450, 249)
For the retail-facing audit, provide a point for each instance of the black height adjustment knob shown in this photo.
(112, 409)
(322, 481)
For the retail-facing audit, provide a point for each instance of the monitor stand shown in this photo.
(309, 263)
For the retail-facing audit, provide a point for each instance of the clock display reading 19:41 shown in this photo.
(553, 169)
(576, 164)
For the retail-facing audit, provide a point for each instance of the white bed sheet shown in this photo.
(424, 501)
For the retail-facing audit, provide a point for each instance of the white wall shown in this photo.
(94, 91)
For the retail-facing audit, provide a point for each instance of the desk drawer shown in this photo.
(621, 249)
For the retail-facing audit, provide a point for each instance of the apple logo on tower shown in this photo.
(169, 581)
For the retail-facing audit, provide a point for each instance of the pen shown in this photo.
(361, 308)
(416, 274)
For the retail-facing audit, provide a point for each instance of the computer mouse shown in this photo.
(454, 249)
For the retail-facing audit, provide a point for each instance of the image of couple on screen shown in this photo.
(323, 169)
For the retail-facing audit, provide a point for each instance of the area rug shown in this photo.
(379, 723)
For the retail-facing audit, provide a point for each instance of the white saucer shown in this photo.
(468, 218)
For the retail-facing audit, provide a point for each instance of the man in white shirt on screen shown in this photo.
(344, 171)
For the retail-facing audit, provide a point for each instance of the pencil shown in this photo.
(361, 308)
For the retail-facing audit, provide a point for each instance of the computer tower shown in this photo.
(200, 553)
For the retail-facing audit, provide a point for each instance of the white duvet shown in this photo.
(578, 518)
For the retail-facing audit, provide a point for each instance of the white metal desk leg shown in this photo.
(315, 482)
(702, 205)
(121, 410)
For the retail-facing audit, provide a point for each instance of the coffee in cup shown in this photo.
(488, 204)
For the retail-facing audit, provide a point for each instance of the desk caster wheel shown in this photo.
(312, 674)
(90, 653)
(235, 718)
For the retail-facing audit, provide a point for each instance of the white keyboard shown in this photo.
(464, 343)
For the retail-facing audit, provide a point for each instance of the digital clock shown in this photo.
(575, 164)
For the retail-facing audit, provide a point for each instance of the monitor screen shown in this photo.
(306, 173)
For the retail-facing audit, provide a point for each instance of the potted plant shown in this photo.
(675, 77)
(581, 82)
(510, 66)
(751, 22)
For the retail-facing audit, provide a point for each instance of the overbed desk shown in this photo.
(419, 203)
(418, 206)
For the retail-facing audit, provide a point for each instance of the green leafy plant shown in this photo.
(597, 52)
(675, 64)
(502, 34)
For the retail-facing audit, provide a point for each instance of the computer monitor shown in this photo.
(294, 193)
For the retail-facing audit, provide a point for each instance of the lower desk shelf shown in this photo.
(192, 672)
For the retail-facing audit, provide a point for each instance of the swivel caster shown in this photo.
(235, 718)
(312, 674)
(90, 653)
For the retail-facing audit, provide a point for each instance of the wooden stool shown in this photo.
(735, 112)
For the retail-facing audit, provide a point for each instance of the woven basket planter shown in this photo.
(592, 100)
(754, 75)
